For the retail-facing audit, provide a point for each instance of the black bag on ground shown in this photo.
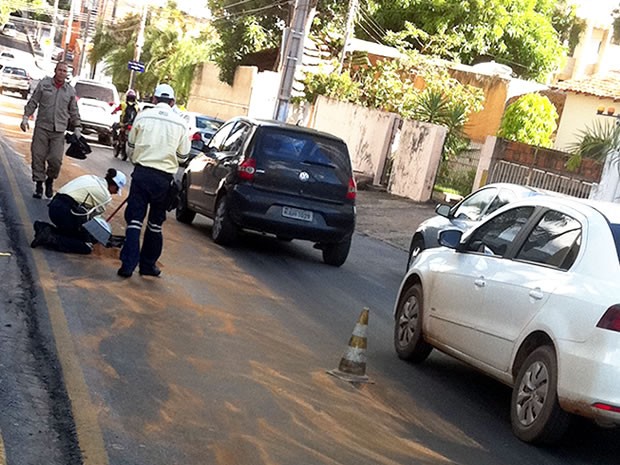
(78, 147)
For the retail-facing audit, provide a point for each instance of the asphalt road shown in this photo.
(223, 359)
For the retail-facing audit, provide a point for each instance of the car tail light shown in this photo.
(606, 407)
(611, 319)
(247, 169)
(352, 189)
(196, 136)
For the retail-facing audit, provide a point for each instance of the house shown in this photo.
(583, 98)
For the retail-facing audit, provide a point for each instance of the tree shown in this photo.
(596, 142)
(518, 33)
(173, 47)
(531, 120)
(245, 27)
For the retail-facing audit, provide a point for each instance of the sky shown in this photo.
(596, 9)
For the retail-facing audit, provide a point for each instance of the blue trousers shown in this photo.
(68, 234)
(149, 191)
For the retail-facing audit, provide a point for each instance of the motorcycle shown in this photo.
(119, 143)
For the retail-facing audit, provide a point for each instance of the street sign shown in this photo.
(135, 66)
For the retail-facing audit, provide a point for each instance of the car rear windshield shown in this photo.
(301, 147)
(206, 123)
(86, 90)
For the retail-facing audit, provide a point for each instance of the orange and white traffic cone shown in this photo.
(352, 367)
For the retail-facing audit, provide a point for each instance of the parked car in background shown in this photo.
(14, 79)
(530, 297)
(96, 102)
(275, 178)
(465, 214)
(201, 126)
(9, 29)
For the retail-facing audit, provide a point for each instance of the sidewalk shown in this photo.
(390, 218)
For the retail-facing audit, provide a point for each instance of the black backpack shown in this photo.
(130, 114)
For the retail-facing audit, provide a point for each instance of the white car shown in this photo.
(9, 29)
(96, 103)
(531, 297)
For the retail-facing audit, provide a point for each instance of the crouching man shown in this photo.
(74, 204)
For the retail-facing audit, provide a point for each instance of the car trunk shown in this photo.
(301, 165)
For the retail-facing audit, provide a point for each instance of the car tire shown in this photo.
(183, 214)
(104, 139)
(224, 231)
(535, 413)
(408, 338)
(25, 95)
(336, 254)
(417, 246)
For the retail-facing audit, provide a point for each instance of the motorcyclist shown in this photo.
(129, 110)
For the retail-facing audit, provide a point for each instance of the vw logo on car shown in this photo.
(303, 176)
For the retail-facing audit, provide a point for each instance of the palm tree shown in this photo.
(596, 142)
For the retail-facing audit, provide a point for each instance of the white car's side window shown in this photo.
(555, 241)
(494, 236)
(474, 207)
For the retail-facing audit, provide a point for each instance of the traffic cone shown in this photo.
(352, 367)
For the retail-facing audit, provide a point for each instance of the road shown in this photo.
(223, 359)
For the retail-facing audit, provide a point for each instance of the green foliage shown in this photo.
(459, 181)
(519, 33)
(172, 50)
(594, 142)
(531, 120)
(389, 86)
(245, 27)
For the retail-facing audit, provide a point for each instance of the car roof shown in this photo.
(610, 210)
(95, 83)
(287, 126)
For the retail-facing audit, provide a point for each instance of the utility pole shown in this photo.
(68, 31)
(348, 31)
(293, 52)
(49, 50)
(85, 38)
(139, 44)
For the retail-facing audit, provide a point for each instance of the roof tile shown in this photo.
(605, 85)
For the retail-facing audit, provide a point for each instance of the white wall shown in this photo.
(579, 113)
(367, 132)
(416, 160)
(264, 95)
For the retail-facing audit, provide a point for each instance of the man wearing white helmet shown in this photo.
(159, 140)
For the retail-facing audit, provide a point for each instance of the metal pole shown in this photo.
(348, 31)
(139, 44)
(294, 52)
(88, 4)
(68, 31)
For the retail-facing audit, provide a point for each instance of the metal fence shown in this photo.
(504, 171)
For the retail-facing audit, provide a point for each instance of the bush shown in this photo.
(531, 120)
(454, 180)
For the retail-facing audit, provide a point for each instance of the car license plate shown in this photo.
(297, 213)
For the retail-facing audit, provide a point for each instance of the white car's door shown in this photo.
(457, 317)
(518, 289)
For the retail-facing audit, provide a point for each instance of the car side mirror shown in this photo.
(443, 210)
(450, 238)
(198, 145)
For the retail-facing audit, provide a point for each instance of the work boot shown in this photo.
(150, 271)
(43, 235)
(49, 188)
(124, 273)
(38, 190)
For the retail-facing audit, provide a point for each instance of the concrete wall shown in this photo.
(579, 113)
(210, 96)
(367, 132)
(416, 160)
(264, 95)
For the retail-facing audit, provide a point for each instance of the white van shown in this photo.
(96, 103)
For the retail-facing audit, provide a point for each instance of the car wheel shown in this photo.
(25, 95)
(183, 213)
(417, 246)
(224, 232)
(336, 254)
(535, 413)
(408, 338)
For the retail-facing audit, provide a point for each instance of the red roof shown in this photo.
(605, 86)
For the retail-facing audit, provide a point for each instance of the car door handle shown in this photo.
(480, 282)
(536, 294)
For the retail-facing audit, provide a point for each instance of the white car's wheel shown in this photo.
(535, 413)
(408, 339)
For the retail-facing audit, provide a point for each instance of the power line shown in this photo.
(243, 13)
